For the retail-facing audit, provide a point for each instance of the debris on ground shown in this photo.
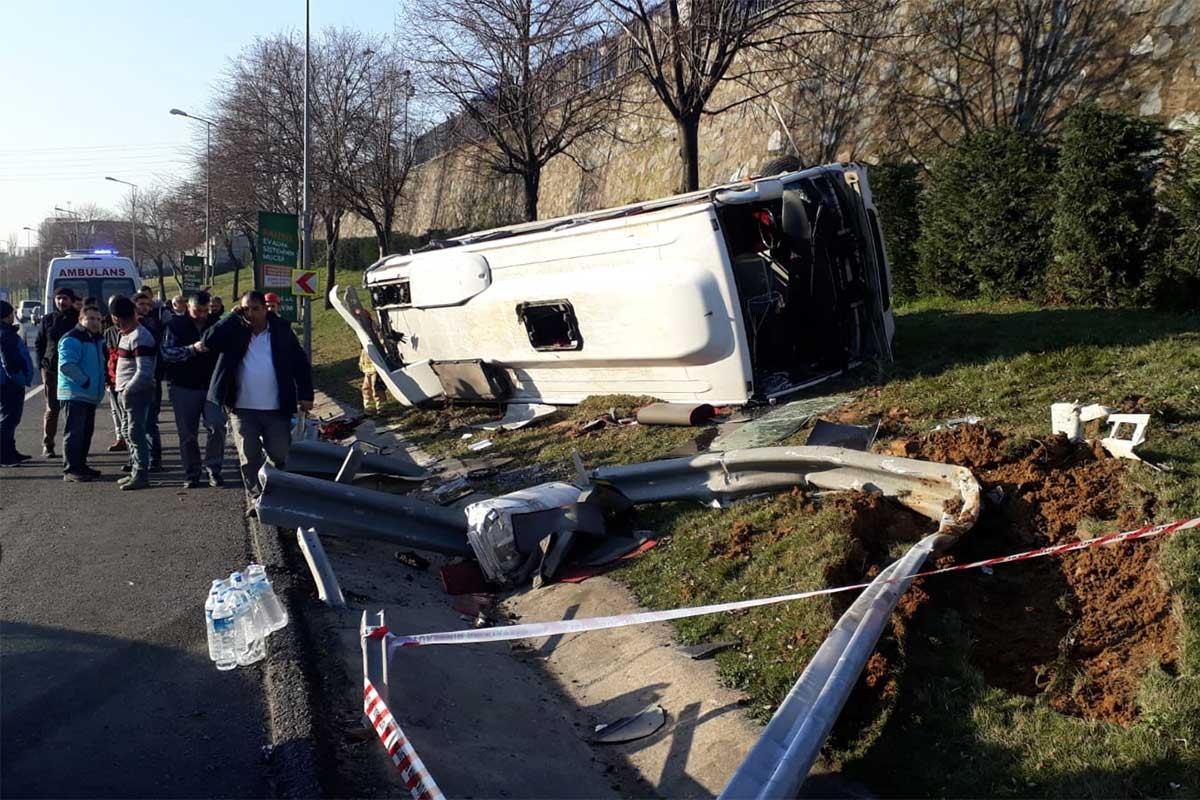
(778, 423)
(628, 729)
(837, 434)
(675, 414)
(519, 415)
(339, 428)
(1127, 432)
(410, 559)
(697, 652)
(1082, 628)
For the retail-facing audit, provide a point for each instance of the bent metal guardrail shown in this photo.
(781, 759)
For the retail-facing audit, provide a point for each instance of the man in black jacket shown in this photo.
(263, 376)
(189, 373)
(54, 326)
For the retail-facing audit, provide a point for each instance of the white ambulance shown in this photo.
(92, 273)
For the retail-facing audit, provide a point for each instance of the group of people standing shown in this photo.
(247, 369)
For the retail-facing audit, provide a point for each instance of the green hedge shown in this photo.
(896, 191)
(1104, 206)
(1172, 279)
(985, 217)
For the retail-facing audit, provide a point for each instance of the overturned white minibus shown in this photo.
(750, 290)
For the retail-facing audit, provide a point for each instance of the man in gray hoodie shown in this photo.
(137, 354)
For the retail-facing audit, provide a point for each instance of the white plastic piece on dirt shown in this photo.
(518, 415)
(1120, 447)
(1069, 418)
(482, 444)
(466, 436)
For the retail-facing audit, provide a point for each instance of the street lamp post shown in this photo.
(76, 215)
(133, 187)
(207, 187)
(306, 218)
(38, 281)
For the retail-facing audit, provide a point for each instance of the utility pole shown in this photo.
(306, 216)
(208, 254)
(38, 273)
(132, 218)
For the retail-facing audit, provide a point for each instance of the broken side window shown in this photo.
(551, 325)
(392, 294)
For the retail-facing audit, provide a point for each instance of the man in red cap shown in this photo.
(273, 302)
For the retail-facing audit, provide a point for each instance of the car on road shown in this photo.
(29, 311)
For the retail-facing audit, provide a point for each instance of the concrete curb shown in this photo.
(293, 759)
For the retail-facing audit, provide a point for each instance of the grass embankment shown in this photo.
(934, 726)
(335, 348)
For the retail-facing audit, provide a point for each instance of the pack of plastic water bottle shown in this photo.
(240, 613)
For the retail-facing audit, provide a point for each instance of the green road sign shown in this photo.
(193, 273)
(289, 307)
(278, 250)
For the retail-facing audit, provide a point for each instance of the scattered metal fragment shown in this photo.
(697, 652)
(482, 444)
(951, 424)
(325, 458)
(628, 729)
(836, 434)
(329, 591)
(518, 415)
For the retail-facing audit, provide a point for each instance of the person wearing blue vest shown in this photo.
(82, 368)
(16, 372)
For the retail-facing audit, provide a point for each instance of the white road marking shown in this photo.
(34, 391)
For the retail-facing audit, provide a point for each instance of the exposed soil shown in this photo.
(1082, 627)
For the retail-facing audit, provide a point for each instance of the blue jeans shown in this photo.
(77, 434)
(12, 405)
(136, 409)
(191, 407)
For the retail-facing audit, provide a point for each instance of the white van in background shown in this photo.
(92, 273)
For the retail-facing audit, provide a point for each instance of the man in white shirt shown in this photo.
(263, 376)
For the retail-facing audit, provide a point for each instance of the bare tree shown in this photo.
(529, 77)
(362, 127)
(967, 65)
(832, 89)
(685, 49)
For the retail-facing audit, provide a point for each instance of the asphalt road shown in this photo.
(106, 688)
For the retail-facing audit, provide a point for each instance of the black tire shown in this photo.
(780, 164)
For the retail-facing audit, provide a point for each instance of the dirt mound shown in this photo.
(1082, 627)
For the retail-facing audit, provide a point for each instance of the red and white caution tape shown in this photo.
(412, 771)
(538, 630)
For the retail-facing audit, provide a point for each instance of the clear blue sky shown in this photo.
(86, 88)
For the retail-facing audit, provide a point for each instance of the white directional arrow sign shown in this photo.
(305, 283)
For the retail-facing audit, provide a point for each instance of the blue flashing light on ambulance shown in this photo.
(99, 273)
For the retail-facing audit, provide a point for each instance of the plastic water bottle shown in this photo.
(209, 604)
(227, 638)
(250, 621)
(260, 589)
